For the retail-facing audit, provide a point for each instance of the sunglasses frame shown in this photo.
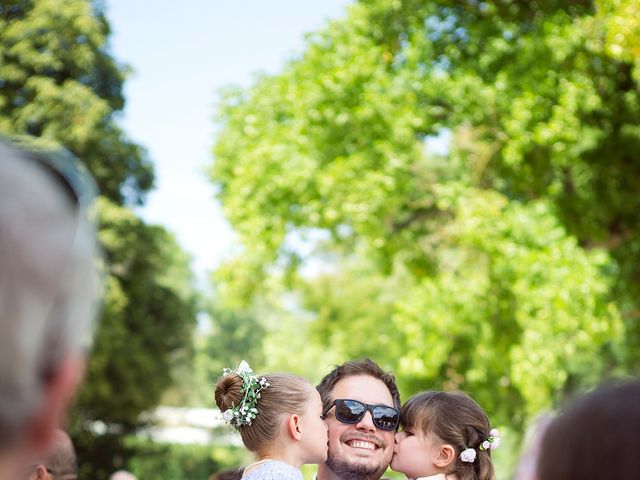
(367, 408)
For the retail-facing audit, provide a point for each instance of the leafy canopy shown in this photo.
(505, 265)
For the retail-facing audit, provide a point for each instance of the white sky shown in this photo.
(181, 53)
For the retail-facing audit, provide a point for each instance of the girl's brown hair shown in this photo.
(459, 421)
(286, 394)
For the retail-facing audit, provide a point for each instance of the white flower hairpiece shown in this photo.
(468, 455)
(493, 440)
(244, 413)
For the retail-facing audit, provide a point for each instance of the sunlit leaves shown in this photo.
(148, 316)
(58, 80)
(516, 303)
(510, 261)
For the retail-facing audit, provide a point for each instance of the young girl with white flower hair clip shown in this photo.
(279, 417)
(445, 436)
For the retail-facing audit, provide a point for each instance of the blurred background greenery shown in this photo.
(450, 188)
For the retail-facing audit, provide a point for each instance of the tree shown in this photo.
(514, 251)
(148, 317)
(58, 81)
(144, 334)
(227, 337)
(622, 28)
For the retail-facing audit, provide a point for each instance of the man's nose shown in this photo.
(366, 423)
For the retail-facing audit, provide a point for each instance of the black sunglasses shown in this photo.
(352, 411)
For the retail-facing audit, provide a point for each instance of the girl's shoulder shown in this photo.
(439, 476)
(274, 470)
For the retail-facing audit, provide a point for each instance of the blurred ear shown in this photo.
(294, 426)
(39, 473)
(57, 394)
(446, 456)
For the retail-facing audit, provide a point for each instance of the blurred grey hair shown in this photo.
(48, 284)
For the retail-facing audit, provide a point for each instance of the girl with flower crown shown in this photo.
(279, 417)
(445, 436)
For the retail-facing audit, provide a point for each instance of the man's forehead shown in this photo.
(364, 388)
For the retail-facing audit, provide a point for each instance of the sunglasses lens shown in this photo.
(349, 411)
(352, 411)
(385, 418)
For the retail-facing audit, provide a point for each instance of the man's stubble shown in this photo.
(354, 471)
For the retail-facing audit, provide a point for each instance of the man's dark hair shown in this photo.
(353, 368)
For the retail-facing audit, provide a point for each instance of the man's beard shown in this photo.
(354, 471)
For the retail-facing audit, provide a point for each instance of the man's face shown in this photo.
(360, 450)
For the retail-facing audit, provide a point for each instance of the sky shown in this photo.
(181, 53)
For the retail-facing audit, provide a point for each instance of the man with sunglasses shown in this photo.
(362, 408)
(48, 290)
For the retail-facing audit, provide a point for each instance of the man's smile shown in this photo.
(362, 444)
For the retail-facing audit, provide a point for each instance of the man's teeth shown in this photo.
(361, 444)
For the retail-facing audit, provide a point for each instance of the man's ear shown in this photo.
(57, 393)
(39, 472)
(294, 426)
(446, 456)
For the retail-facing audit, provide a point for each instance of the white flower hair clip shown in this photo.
(468, 455)
(493, 440)
(244, 413)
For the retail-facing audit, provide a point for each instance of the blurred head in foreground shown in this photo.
(595, 437)
(48, 292)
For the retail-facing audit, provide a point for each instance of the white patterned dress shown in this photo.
(273, 470)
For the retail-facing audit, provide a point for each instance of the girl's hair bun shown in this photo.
(229, 391)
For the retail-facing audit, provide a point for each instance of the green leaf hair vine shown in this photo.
(244, 413)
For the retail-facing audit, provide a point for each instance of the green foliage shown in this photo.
(148, 316)
(178, 462)
(147, 459)
(58, 81)
(507, 267)
(235, 336)
(352, 309)
(622, 29)
(225, 338)
(516, 313)
(99, 455)
(149, 311)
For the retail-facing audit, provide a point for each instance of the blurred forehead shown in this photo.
(364, 388)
